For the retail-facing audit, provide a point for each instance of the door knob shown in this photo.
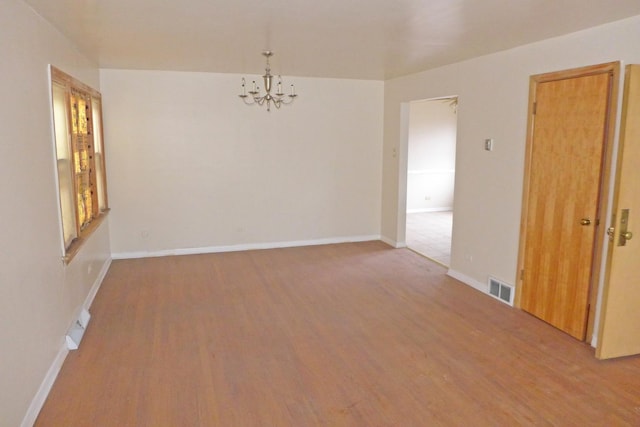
(585, 221)
(627, 235)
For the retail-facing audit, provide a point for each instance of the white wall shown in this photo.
(38, 296)
(195, 169)
(493, 97)
(431, 155)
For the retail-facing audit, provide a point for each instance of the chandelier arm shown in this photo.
(288, 100)
(248, 100)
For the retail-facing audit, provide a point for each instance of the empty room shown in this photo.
(204, 214)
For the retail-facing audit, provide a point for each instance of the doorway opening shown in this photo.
(431, 158)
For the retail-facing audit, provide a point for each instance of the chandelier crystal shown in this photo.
(278, 99)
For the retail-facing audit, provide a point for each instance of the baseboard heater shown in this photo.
(76, 332)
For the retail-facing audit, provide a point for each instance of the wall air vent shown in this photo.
(501, 291)
(76, 332)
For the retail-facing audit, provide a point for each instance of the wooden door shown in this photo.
(565, 157)
(619, 331)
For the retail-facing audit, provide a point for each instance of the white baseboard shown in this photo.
(423, 210)
(393, 243)
(96, 284)
(243, 247)
(45, 387)
(479, 286)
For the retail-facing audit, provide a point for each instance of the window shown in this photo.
(82, 186)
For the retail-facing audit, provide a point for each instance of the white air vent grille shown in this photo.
(501, 290)
(76, 332)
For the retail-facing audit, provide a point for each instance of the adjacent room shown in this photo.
(431, 171)
(174, 256)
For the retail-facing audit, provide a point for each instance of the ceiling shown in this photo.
(360, 39)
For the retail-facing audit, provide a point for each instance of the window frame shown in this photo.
(95, 183)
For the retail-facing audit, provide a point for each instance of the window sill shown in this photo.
(77, 243)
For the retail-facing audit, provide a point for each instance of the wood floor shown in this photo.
(337, 335)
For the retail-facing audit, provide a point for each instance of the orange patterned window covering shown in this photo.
(88, 185)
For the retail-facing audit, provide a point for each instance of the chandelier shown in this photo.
(279, 98)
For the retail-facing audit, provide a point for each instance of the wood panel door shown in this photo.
(619, 331)
(565, 156)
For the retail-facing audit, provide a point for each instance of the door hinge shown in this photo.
(522, 274)
(535, 108)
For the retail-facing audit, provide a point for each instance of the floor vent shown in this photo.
(501, 290)
(76, 332)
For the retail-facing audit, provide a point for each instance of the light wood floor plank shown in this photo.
(337, 335)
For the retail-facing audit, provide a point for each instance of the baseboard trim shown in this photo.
(425, 210)
(47, 383)
(479, 286)
(45, 387)
(96, 284)
(393, 243)
(244, 247)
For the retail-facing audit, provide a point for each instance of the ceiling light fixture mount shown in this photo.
(279, 98)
